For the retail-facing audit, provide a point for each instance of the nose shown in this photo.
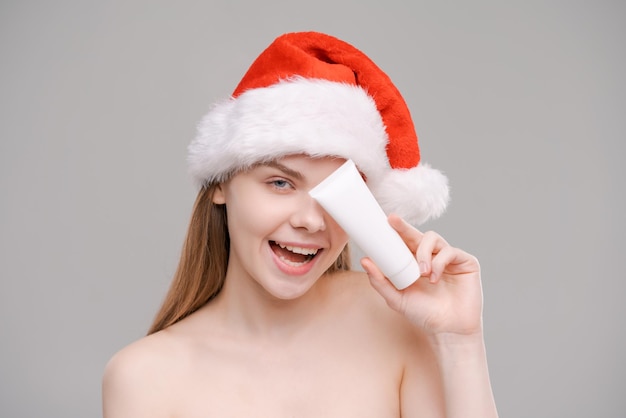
(309, 215)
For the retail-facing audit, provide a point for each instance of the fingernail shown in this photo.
(422, 267)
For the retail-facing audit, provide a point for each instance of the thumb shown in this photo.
(381, 284)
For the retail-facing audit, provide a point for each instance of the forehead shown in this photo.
(301, 167)
(300, 160)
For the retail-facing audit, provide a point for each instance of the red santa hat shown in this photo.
(311, 93)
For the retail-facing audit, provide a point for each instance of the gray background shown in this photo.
(521, 104)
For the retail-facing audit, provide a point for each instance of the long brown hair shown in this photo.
(204, 259)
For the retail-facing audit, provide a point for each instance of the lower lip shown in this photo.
(290, 269)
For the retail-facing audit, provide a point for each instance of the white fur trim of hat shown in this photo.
(294, 114)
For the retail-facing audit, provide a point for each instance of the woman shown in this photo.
(264, 316)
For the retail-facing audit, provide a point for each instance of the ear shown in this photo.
(219, 197)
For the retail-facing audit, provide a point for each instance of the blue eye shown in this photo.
(280, 184)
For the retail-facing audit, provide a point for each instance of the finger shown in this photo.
(439, 262)
(430, 245)
(454, 261)
(381, 284)
(414, 239)
(410, 235)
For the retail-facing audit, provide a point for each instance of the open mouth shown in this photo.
(293, 256)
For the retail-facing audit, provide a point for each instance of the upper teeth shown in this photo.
(299, 250)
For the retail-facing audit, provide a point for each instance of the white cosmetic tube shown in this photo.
(346, 197)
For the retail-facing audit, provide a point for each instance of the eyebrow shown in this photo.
(288, 171)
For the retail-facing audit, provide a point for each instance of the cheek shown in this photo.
(337, 231)
(253, 214)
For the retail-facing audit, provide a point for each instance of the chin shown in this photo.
(289, 289)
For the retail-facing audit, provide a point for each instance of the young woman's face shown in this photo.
(280, 238)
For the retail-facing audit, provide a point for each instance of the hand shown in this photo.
(447, 299)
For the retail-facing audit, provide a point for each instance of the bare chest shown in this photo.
(306, 383)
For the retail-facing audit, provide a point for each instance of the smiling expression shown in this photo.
(280, 238)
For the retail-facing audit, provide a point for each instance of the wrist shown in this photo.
(458, 346)
(462, 362)
(455, 338)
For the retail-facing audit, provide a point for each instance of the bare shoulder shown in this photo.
(354, 288)
(399, 342)
(357, 296)
(135, 378)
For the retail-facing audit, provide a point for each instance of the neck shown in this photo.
(248, 309)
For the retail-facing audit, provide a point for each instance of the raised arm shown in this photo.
(446, 304)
